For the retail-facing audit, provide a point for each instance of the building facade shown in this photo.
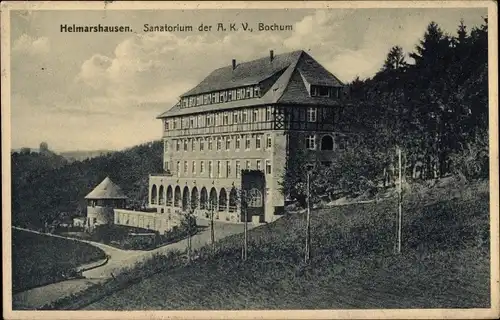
(251, 115)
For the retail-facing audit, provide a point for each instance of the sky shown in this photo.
(89, 91)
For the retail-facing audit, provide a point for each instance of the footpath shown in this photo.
(117, 260)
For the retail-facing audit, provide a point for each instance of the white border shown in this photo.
(492, 313)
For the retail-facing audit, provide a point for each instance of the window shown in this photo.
(219, 143)
(268, 114)
(248, 165)
(210, 144)
(215, 98)
(178, 168)
(228, 143)
(320, 91)
(259, 165)
(327, 142)
(268, 141)
(202, 167)
(165, 146)
(175, 124)
(193, 144)
(177, 145)
(222, 96)
(238, 94)
(202, 144)
(185, 167)
(219, 169)
(166, 125)
(247, 142)
(255, 115)
(193, 167)
(311, 142)
(184, 102)
(238, 142)
(185, 145)
(200, 122)
(238, 169)
(226, 118)
(268, 167)
(256, 91)
(191, 122)
(311, 114)
(208, 120)
(244, 117)
(228, 169)
(235, 117)
(210, 169)
(247, 95)
(229, 95)
(257, 141)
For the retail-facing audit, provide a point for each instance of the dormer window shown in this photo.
(229, 95)
(256, 92)
(320, 91)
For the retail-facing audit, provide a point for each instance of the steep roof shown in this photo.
(256, 71)
(107, 189)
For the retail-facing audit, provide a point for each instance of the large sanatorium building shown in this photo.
(248, 115)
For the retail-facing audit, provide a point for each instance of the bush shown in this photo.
(472, 162)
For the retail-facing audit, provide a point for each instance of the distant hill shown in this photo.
(44, 185)
(82, 155)
(75, 155)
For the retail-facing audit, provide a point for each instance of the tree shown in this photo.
(395, 59)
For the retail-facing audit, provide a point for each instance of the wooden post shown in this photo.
(400, 213)
(245, 238)
(212, 231)
(308, 223)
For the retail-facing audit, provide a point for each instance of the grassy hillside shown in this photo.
(444, 264)
(39, 259)
(42, 189)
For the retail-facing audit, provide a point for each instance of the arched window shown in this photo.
(203, 198)
(154, 194)
(222, 200)
(161, 196)
(169, 195)
(327, 142)
(254, 198)
(213, 199)
(194, 198)
(177, 197)
(233, 200)
(185, 198)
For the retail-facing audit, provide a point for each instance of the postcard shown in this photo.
(250, 160)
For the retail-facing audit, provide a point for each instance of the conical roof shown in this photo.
(107, 189)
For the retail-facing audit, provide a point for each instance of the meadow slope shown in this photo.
(444, 263)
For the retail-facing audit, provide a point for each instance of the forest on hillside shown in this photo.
(44, 186)
(434, 109)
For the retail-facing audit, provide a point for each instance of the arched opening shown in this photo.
(233, 200)
(169, 195)
(177, 197)
(161, 196)
(254, 198)
(194, 198)
(203, 198)
(185, 199)
(154, 194)
(213, 198)
(327, 142)
(222, 200)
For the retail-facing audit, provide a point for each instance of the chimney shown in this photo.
(234, 64)
(271, 55)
